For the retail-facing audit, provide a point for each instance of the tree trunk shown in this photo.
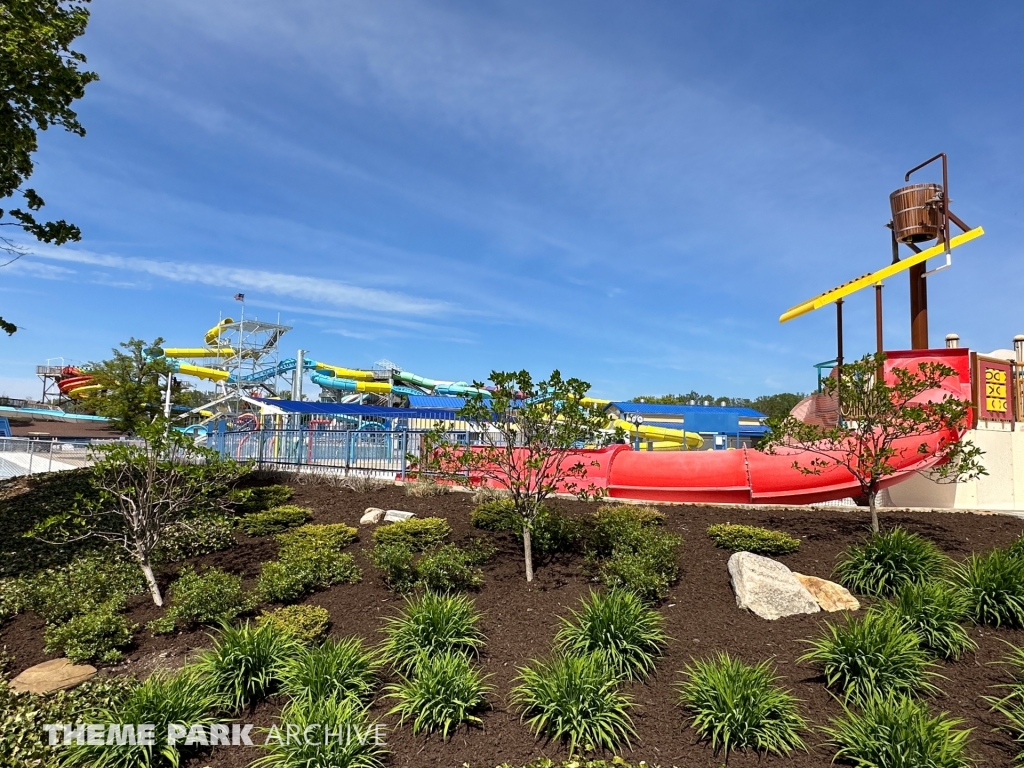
(154, 589)
(874, 510)
(528, 552)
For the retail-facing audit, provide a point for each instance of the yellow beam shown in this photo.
(841, 291)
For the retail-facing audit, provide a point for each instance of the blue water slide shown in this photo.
(343, 385)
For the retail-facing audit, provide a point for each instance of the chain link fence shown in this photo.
(26, 456)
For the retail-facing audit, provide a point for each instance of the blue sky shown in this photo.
(631, 192)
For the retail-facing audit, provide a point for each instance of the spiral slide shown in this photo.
(750, 477)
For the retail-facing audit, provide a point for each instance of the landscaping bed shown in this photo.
(520, 621)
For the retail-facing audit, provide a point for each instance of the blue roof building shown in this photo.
(721, 427)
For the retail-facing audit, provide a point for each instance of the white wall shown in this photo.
(1001, 489)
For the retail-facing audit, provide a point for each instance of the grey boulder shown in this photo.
(767, 588)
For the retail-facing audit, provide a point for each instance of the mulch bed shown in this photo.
(520, 622)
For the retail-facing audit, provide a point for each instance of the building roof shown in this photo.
(661, 409)
(437, 402)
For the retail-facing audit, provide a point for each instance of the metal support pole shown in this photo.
(49, 466)
(879, 345)
(405, 447)
(31, 451)
(839, 356)
(918, 307)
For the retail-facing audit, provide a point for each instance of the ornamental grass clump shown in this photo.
(341, 736)
(576, 700)
(444, 691)
(343, 668)
(749, 538)
(897, 732)
(242, 667)
(875, 653)
(162, 700)
(619, 626)
(741, 706)
(888, 561)
(1011, 704)
(934, 612)
(431, 624)
(993, 586)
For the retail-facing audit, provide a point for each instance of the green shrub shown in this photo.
(553, 532)
(897, 731)
(396, 566)
(888, 561)
(620, 627)
(342, 715)
(192, 538)
(95, 636)
(431, 624)
(23, 715)
(341, 668)
(748, 538)
(248, 500)
(738, 706)
(306, 623)
(448, 568)
(210, 597)
(15, 597)
(621, 528)
(243, 665)
(876, 653)
(496, 515)
(274, 520)
(160, 701)
(301, 572)
(417, 533)
(993, 587)
(1011, 704)
(933, 611)
(575, 699)
(82, 586)
(444, 692)
(645, 564)
(334, 536)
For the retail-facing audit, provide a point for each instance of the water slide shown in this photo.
(748, 476)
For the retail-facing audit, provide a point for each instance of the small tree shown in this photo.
(880, 415)
(133, 384)
(528, 432)
(143, 488)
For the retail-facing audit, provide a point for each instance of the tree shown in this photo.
(528, 433)
(134, 383)
(40, 80)
(883, 416)
(142, 489)
(774, 406)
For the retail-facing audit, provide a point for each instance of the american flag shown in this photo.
(239, 297)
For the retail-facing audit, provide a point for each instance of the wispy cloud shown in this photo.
(331, 292)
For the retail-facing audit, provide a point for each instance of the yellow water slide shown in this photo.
(664, 439)
(213, 335)
(198, 352)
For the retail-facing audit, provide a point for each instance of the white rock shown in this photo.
(767, 588)
(397, 516)
(371, 516)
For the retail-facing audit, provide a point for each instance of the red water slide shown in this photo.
(750, 477)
